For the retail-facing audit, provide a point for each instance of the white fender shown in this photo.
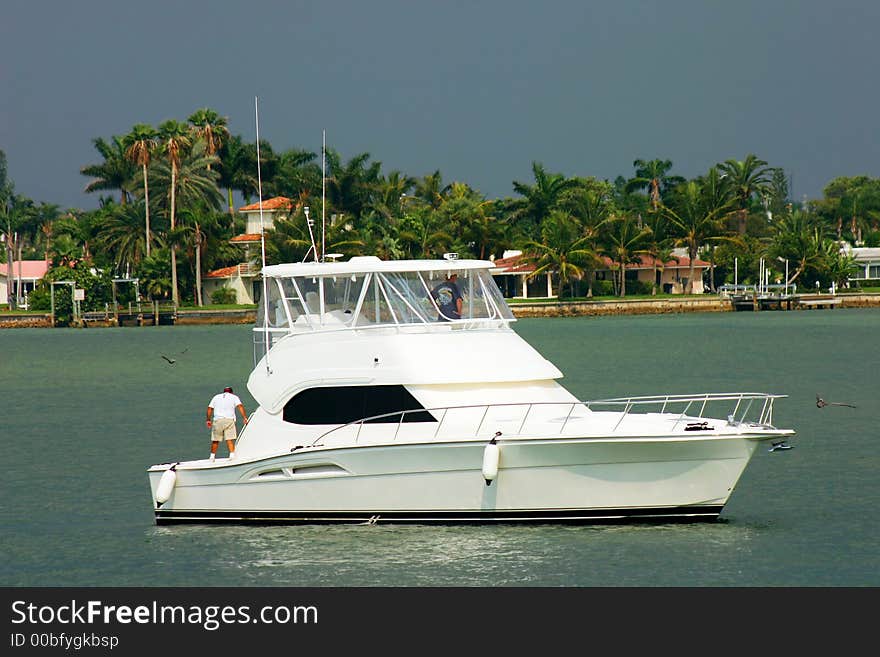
(166, 485)
(491, 457)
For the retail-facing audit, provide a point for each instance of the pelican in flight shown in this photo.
(822, 403)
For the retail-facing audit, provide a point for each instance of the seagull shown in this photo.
(171, 361)
(821, 402)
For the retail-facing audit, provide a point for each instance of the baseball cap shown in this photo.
(227, 389)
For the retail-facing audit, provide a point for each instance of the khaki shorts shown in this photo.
(223, 428)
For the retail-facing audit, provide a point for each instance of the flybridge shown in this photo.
(366, 292)
(367, 264)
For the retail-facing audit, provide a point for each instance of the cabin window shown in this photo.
(339, 405)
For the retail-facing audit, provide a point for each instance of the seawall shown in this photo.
(622, 307)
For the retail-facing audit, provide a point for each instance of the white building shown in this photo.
(868, 261)
(244, 278)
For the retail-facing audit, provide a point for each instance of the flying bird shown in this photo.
(821, 403)
(171, 361)
(780, 445)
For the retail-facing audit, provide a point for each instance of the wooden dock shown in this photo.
(757, 302)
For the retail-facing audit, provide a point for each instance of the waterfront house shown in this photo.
(244, 278)
(25, 276)
(868, 261)
(514, 276)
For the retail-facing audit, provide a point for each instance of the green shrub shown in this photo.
(223, 296)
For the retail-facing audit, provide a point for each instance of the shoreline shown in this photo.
(602, 307)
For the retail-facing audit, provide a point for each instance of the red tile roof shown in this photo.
(277, 203)
(225, 272)
(246, 238)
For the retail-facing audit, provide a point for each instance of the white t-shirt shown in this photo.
(224, 404)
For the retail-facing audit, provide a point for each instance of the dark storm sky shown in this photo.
(475, 89)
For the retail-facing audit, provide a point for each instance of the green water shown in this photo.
(87, 411)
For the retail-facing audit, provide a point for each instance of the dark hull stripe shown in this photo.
(585, 516)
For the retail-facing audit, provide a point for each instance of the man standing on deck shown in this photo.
(221, 420)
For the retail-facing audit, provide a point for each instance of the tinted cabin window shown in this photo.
(350, 403)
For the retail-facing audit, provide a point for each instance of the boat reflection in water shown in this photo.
(375, 405)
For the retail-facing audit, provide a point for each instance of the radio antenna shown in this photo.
(323, 189)
(262, 241)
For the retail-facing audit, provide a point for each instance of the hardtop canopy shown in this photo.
(370, 264)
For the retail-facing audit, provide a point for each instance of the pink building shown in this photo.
(25, 276)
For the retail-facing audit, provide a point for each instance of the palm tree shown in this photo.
(652, 175)
(696, 208)
(119, 234)
(563, 249)
(430, 189)
(7, 191)
(297, 175)
(538, 199)
(658, 245)
(211, 128)
(140, 144)
(234, 161)
(174, 139)
(115, 172)
(798, 238)
(747, 178)
(625, 241)
(352, 186)
(20, 214)
(197, 195)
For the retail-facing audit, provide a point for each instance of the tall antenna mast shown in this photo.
(262, 240)
(323, 188)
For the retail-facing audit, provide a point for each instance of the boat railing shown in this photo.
(754, 409)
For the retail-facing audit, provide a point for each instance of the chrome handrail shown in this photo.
(763, 419)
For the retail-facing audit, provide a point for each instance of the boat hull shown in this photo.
(583, 480)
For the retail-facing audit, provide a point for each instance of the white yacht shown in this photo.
(376, 406)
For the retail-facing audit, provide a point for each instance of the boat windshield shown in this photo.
(304, 304)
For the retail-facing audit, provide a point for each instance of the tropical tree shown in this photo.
(297, 175)
(140, 144)
(430, 189)
(747, 177)
(538, 199)
(238, 161)
(211, 128)
(653, 175)
(197, 195)
(114, 173)
(153, 274)
(174, 139)
(624, 241)
(837, 265)
(19, 212)
(697, 208)
(799, 239)
(7, 189)
(119, 234)
(592, 202)
(563, 250)
(353, 184)
(389, 196)
(422, 231)
(658, 245)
